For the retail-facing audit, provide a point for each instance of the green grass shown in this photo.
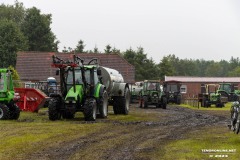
(213, 107)
(207, 138)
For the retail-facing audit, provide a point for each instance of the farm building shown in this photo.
(36, 66)
(191, 86)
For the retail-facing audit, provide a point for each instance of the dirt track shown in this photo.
(133, 140)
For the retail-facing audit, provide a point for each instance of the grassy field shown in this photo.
(33, 132)
(226, 107)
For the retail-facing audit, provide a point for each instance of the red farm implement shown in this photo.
(30, 99)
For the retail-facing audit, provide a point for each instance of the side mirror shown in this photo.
(57, 72)
(99, 72)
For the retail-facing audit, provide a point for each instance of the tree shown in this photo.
(108, 50)
(235, 72)
(95, 50)
(80, 47)
(12, 40)
(166, 68)
(14, 12)
(36, 27)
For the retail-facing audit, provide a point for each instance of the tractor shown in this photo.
(152, 94)
(172, 91)
(80, 90)
(8, 108)
(229, 90)
(209, 96)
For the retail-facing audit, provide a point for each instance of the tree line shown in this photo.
(24, 29)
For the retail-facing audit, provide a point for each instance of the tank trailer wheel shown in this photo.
(125, 101)
(103, 105)
(54, 109)
(4, 112)
(14, 111)
(90, 109)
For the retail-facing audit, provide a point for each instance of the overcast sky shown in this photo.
(197, 29)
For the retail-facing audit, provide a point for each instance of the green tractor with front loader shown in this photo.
(81, 90)
(8, 108)
(209, 95)
(152, 94)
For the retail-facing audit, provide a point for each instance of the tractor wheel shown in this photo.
(145, 102)
(164, 102)
(178, 100)
(14, 111)
(103, 105)
(140, 102)
(125, 101)
(116, 105)
(90, 109)
(54, 109)
(4, 112)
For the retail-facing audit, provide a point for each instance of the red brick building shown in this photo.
(191, 86)
(36, 66)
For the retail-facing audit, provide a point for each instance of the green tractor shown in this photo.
(152, 94)
(210, 96)
(8, 108)
(230, 91)
(172, 91)
(81, 90)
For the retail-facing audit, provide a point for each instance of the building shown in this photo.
(36, 66)
(191, 86)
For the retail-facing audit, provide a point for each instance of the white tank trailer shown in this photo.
(118, 90)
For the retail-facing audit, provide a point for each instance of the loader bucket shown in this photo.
(30, 99)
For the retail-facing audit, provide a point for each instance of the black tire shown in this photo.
(125, 101)
(103, 105)
(116, 105)
(90, 109)
(4, 112)
(140, 102)
(14, 112)
(54, 112)
(164, 102)
(145, 101)
(178, 100)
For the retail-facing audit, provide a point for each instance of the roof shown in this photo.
(203, 79)
(36, 66)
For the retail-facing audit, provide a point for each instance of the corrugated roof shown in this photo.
(203, 79)
(36, 66)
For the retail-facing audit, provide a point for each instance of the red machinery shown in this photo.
(30, 99)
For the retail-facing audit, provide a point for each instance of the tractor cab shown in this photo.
(172, 91)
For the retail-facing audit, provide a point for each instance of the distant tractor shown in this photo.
(230, 91)
(210, 96)
(172, 91)
(8, 107)
(152, 94)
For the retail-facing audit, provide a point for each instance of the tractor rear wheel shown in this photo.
(4, 112)
(90, 109)
(14, 111)
(54, 109)
(145, 102)
(103, 105)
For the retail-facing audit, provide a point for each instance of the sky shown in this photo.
(192, 29)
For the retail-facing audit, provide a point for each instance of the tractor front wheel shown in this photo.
(90, 109)
(4, 112)
(54, 109)
(14, 111)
